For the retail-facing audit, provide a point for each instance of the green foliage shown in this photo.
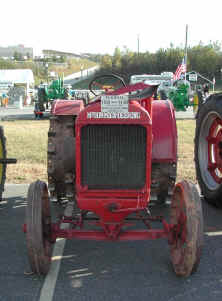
(205, 59)
(83, 84)
(17, 56)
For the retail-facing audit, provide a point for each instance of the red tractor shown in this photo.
(105, 159)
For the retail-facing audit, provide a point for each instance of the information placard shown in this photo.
(115, 103)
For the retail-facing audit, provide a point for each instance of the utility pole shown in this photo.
(138, 44)
(185, 56)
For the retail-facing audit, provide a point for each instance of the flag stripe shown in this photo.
(180, 69)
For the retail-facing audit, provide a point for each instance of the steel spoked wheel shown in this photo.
(2, 166)
(38, 232)
(187, 234)
(208, 149)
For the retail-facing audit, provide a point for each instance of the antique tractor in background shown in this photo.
(3, 161)
(47, 94)
(180, 97)
(208, 149)
(105, 159)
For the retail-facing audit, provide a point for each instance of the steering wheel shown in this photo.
(107, 82)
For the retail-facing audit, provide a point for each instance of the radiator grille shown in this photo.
(113, 156)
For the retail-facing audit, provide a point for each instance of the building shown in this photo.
(51, 53)
(19, 49)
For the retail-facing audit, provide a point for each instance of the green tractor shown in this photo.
(180, 96)
(47, 94)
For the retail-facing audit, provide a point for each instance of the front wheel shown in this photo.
(186, 239)
(38, 233)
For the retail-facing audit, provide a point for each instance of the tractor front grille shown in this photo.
(113, 156)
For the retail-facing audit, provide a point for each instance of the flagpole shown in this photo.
(185, 56)
(138, 44)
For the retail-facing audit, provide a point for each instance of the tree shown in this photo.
(116, 60)
(205, 59)
(17, 56)
(106, 62)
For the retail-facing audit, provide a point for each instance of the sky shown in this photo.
(97, 26)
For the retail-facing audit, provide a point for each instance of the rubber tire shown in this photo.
(38, 221)
(164, 175)
(189, 252)
(213, 106)
(2, 166)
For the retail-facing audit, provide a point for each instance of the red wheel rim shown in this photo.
(214, 140)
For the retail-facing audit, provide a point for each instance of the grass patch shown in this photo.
(186, 166)
(27, 141)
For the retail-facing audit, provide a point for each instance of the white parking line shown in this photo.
(47, 291)
(217, 233)
(48, 288)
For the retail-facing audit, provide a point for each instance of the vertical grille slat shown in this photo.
(113, 156)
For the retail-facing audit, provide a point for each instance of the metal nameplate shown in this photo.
(113, 115)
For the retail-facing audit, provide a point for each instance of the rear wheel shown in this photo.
(187, 234)
(61, 157)
(163, 178)
(208, 149)
(38, 234)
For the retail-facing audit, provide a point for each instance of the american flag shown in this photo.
(180, 69)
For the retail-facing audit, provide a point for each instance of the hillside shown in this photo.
(41, 69)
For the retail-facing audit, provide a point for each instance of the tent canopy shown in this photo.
(17, 76)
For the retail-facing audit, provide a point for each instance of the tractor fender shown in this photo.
(67, 107)
(164, 148)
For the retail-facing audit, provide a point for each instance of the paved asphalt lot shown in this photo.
(97, 271)
(106, 271)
